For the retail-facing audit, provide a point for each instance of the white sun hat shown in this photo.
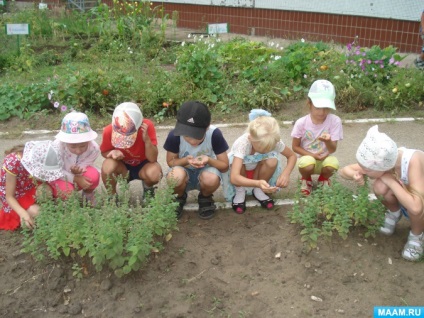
(377, 151)
(75, 129)
(42, 160)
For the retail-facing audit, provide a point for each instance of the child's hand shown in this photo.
(144, 134)
(198, 161)
(27, 220)
(321, 156)
(77, 170)
(116, 155)
(324, 137)
(266, 188)
(283, 181)
(358, 178)
(82, 182)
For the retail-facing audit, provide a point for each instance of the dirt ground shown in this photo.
(224, 267)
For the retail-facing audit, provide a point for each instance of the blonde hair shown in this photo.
(265, 130)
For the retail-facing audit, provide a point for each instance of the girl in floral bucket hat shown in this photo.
(24, 169)
(398, 175)
(79, 151)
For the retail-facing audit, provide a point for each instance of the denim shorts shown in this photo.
(194, 174)
(404, 211)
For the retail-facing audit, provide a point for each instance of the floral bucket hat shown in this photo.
(75, 129)
(42, 160)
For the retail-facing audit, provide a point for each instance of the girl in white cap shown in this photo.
(24, 169)
(315, 137)
(78, 150)
(398, 175)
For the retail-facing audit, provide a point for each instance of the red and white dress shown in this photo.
(24, 192)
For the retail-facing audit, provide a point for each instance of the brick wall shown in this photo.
(296, 25)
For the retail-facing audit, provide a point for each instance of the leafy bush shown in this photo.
(22, 101)
(335, 209)
(118, 237)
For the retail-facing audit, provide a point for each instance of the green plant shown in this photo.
(120, 237)
(201, 63)
(335, 209)
(77, 271)
(22, 101)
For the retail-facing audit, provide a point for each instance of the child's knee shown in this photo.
(93, 175)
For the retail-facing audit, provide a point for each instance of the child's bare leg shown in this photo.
(34, 210)
(178, 179)
(265, 169)
(111, 169)
(327, 172)
(151, 174)
(44, 192)
(306, 172)
(209, 183)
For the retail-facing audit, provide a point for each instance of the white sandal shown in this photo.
(414, 248)
(390, 221)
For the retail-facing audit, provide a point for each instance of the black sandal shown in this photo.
(239, 208)
(206, 206)
(266, 204)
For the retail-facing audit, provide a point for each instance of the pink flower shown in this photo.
(63, 108)
(56, 104)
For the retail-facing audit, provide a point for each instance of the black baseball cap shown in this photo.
(193, 118)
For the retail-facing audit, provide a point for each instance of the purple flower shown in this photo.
(391, 61)
(63, 108)
(382, 66)
(369, 61)
(56, 104)
(349, 46)
(397, 63)
(364, 54)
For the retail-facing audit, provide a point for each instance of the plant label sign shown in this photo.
(218, 28)
(17, 29)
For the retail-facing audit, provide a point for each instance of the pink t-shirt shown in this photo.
(308, 132)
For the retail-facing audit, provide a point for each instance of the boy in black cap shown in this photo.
(197, 155)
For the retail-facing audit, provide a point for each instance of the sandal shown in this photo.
(239, 208)
(181, 202)
(305, 187)
(206, 206)
(267, 203)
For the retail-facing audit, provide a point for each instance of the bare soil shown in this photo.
(250, 265)
(225, 267)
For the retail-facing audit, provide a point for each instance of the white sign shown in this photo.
(12, 29)
(218, 28)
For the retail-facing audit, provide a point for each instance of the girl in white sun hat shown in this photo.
(398, 175)
(78, 150)
(24, 169)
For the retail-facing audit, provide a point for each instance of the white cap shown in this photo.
(322, 94)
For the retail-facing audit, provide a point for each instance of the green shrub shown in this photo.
(117, 237)
(335, 209)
